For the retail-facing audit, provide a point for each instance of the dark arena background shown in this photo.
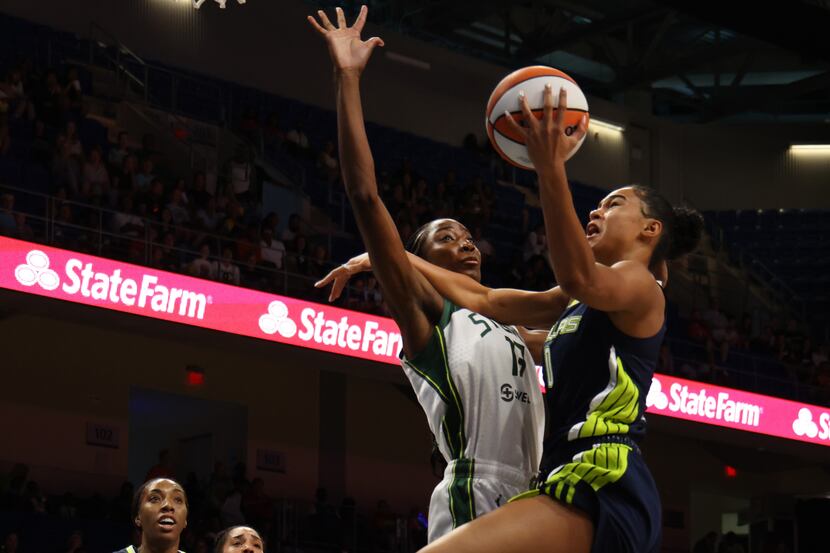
(170, 190)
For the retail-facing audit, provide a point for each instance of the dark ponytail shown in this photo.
(682, 226)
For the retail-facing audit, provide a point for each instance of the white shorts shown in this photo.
(471, 488)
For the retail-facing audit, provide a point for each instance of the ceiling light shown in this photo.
(605, 125)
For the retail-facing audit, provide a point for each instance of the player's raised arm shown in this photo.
(414, 302)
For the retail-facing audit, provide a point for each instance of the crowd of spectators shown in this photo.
(212, 226)
(727, 348)
(226, 498)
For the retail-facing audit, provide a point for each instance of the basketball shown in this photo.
(505, 97)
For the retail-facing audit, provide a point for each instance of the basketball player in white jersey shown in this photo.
(474, 378)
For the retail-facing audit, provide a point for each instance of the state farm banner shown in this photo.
(80, 278)
(89, 280)
(739, 410)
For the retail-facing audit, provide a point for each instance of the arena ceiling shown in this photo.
(696, 61)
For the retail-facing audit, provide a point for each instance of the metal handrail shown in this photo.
(50, 209)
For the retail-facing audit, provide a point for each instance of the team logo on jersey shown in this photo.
(36, 271)
(277, 320)
(656, 397)
(510, 393)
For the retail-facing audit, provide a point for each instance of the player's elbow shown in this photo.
(362, 195)
(574, 286)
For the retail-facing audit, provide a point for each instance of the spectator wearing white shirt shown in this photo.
(272, 251)
(226, 270)
(536, 243)
(202, 266)
(126, 222)
(119, 151)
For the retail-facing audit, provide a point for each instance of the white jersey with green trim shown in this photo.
(479, 389)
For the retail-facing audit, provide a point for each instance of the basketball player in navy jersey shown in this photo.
(160, 515)
(239, 539)
(596, 493)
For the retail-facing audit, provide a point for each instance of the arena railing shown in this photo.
(90, 233)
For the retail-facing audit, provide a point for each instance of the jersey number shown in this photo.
(518, 351)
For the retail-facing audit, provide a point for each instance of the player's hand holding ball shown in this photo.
(549, 140)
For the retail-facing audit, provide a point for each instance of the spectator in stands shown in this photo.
(484, 246)
(226, 270)
(75, 542)
(327, 163)
(318, 264)
(5, 135)
(73, 91)
(535, 243)
(76, 149)
(160, 514)
(202, 266)
(239, 539)
(51, 101)
(66, 170)
(290, 233)
(95, 179)
(119, 151)
(163, 468)
(10, 543)
(706, 544)
(257, 506)
(8, 225)
(240, 173)
(123, 177)
(24, 230)
(297, 142)
(199, 195)
(178, 207)
(272, 134)
(299, 255)
(665, 362)
(121, 506)
(442, 204)
(41, 147)
(33, 498)
(125, 221)
(208, 217)
(146, 176)
(385, 525)
(154, 198)
(65, 230)
(272, 251)
(697, 331)
(249, 125)
(372, 296)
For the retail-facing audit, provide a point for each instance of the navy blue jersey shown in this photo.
(597, 379)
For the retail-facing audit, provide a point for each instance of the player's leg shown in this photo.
(528, 525)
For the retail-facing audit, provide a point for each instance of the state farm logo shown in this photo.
(805, 426)
(656, 397)
(81, 278)
(36, 271)
(277, 320)
(715, 404)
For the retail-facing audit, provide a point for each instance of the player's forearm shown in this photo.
(571, 256)
(456, 287)
(357, 164)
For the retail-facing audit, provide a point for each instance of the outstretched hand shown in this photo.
(348, 52)
(547, 139)
(342, 274)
